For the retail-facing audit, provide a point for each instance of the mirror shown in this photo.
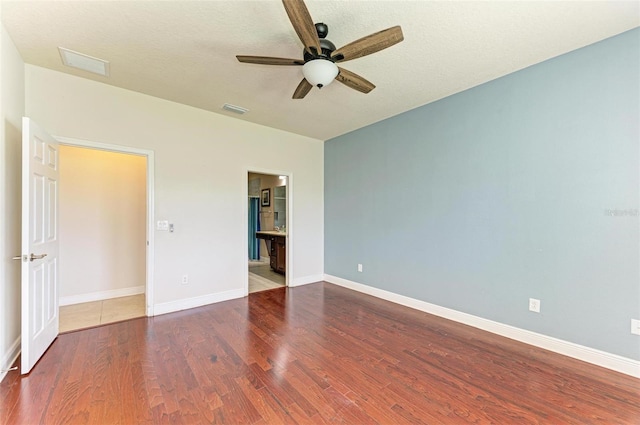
(280, 206)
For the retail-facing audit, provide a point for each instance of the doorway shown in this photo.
(268, 229)
(107, 240)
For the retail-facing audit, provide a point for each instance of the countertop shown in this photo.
(271, 233)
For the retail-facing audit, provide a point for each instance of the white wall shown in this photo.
(103, 211)
(11, 111)
(201, 164)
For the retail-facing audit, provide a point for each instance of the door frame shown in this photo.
(149, 154)
(290, 227)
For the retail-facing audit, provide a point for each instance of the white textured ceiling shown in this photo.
(184, 51)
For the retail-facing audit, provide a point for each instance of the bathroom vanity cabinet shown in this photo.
(277, 246)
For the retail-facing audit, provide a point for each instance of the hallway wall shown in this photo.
(102, 224)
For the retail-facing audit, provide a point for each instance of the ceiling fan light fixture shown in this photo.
(320, 72)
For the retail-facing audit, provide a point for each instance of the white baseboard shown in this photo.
(265, 259)
(305, 280)
(184, 304)
(570, 349)
(102, 295)
(9, 357)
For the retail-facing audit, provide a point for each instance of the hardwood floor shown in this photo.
(310, 355)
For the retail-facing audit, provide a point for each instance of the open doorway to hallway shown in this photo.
(103, 234)
(267, 229)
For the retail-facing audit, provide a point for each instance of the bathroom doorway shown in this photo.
(267, 231)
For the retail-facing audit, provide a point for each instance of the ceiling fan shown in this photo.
(320, 55)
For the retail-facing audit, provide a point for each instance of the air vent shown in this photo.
(235, 109)
(84, 62)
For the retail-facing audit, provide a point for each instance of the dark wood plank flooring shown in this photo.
(309, 355)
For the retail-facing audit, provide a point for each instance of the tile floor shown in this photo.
(262, 278)
(86, 315)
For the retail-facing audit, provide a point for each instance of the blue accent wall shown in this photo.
(526, 186)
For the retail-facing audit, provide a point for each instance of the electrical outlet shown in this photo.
(534, 305)
(185, 279)
(360, 268)
(635, 326)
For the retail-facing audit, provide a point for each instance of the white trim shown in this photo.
(305, 280)
(149, 154)
(70, 141)
(101, 295)
(151, 235)
(289, 278)
(10, 357)
(580, 352)
(187, 303)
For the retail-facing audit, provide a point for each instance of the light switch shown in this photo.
(162, 225)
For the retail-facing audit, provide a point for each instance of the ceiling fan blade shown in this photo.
(267, 60)
(369, 44)
(303, 88)
(303, 24)
(354, 81)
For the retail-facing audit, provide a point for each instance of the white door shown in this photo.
(40, 169)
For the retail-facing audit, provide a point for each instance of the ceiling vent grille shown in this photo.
(84, 62)
(235, 109)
